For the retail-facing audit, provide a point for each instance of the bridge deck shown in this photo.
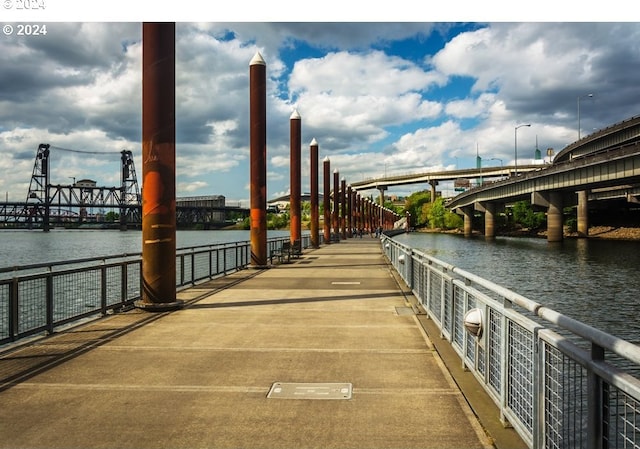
(201, 376)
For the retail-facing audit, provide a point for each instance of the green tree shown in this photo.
(524, 215)
(414, 205)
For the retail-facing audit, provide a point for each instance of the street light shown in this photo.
(516, 146)
(583, 96)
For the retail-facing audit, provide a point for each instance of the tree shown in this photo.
(524, 215)
(414, 205)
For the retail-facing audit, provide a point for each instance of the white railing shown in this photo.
(559, 382)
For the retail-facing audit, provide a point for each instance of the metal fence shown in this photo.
(559, 382)
(38, 298)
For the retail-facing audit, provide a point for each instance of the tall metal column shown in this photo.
(295, 143)
(313, 178)
(158, 159)
(336, 204)
(349, 211)
(343, 208)
(326, 200)
(258, 156)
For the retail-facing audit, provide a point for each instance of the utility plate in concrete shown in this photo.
(404, 311)
(283, 390)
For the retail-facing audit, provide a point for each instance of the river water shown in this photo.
(594, 281)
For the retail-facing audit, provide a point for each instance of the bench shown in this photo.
(296, 249)
(282, 252)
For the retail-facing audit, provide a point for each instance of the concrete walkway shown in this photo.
(333, 330)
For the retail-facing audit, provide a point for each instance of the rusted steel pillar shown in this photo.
(313, 178)
(295, 143)
(349, 211)
(326, 200)
(336, 204)
(158, 168)
(258, 160)
(343, 202)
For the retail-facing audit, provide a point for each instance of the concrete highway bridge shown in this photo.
(603, 166)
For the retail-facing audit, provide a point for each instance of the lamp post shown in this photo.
(583, 96)
(515, 145)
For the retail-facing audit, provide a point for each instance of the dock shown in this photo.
(327, 351)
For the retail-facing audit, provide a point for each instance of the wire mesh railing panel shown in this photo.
(565, 403)
(494, 350)
(32, 304)
(435, 293)
(622, 419)
(114, 284)
(76, 293)
(520, 379)
(5, 309)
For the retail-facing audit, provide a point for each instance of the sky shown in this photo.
(390, 95)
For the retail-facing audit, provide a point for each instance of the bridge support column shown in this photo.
(554, 217)
(467, 213)
(433, 185)
(489, 220)
(582, 212)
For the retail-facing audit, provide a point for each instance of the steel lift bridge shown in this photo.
(48, 205)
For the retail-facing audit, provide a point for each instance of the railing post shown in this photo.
(103, 289)
(49, 302)
(13, 310)
(193, 267)
(594, 402)
(124, 283)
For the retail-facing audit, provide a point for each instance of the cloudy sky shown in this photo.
(379, 97)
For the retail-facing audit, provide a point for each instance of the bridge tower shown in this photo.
(129, 191)
(38, 195)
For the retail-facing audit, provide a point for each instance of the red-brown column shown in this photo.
(336, 204)
(258, 156)
(295, 144)
(313, 179)
(343, 208)
(326, 200)
(349, 211)
(158, 168)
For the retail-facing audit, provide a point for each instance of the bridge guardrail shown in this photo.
(559, 382)
(39, 298)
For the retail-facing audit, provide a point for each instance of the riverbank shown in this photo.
(595, 232)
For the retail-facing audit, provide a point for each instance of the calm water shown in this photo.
(594, 281)
(28, 247)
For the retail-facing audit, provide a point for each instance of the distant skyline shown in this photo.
(378, 97)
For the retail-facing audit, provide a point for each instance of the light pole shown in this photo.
(515, 145)
(496, 159)
(583, 96)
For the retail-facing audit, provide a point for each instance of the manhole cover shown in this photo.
(282, 390)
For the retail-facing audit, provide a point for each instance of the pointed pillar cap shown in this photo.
(295, 115)
(314, 142)
(257, 59)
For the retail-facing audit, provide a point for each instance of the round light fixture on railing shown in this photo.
(473, 322)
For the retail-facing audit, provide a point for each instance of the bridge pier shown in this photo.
(489, 210)
(433, 185)
(467, 213)
(582, 212)
(554, 217)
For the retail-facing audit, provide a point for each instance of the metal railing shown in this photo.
(559, 382)
(39, 298)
